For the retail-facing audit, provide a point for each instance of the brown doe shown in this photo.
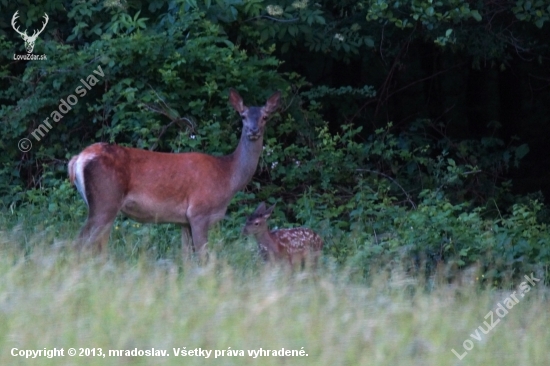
(192, 189)
(297, 245)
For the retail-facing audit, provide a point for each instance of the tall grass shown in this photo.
(52, 298)
(143, 296)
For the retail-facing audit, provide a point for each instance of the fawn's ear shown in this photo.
(260, 209)
(269, 211)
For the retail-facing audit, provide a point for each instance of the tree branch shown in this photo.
(393, 180)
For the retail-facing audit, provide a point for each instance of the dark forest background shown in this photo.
(415, 129)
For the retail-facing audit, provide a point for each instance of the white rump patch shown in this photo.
(80, 163)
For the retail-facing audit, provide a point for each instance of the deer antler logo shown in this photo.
(29, 40)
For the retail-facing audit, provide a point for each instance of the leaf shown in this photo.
(264, 35)
(521, 151)
(292, 30)
(52, 207)
(369, 42)
(475, 14)
(448, 32)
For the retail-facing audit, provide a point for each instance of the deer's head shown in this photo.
(257, 221)
(254, 118)
(29, 40)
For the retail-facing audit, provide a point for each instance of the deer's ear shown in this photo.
(236, 100)
(273, 102)
(260, 209)
(269, 211)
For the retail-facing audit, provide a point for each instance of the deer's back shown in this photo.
(297, 240)
(163, 187)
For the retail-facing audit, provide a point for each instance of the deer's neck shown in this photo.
(267, 241)
(244, 161)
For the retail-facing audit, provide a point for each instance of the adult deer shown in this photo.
(192, 189)
(296, 245)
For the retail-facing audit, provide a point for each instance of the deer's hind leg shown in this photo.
(104, 196)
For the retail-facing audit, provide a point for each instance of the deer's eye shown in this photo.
(256, 223)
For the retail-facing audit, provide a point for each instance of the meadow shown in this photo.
(135, 300)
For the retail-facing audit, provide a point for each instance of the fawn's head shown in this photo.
(254, 118)
(257, 221)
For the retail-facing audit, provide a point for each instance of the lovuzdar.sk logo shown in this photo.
(29, 40)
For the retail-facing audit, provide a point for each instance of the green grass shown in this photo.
(142, 296)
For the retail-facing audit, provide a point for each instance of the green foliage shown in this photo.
(148, 76)
(458, 24)
(429, 13)
(537, 12)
